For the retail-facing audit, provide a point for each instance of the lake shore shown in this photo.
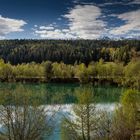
(94, 81)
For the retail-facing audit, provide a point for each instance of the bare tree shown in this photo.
(86, 122)
(22, 118)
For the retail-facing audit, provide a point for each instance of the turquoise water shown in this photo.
(63, 96)
(64, 93)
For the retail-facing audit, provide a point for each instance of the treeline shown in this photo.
(95, 72)
(68, 51)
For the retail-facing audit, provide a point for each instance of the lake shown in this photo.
(63, 96)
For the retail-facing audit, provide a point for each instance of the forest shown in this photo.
(68, 51)
(84, 61)
(95, 72)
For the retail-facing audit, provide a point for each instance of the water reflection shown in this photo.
(63, 93)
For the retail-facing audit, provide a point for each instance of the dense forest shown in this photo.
(81, 61)
(68, 51)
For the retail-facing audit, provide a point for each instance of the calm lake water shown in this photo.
(63, 95)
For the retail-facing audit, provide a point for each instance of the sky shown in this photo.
(69, 19)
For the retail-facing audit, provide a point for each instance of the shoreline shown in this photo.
(94, 81)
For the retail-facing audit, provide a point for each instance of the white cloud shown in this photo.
(2, 37)
(84, 21)
(59, 18)
(8, 25)
(112, 3)
(135, 2)
(53, 33)
(35, 26)
(123, 2)
(46, 27)
(132, 23)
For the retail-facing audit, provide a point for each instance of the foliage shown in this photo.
(124, 121)
(82, 73)
(132, 74)
(68, 51)
(48, 71)
(87, 123)
(113, 72)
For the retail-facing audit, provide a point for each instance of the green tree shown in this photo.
(82, 73)
(48, 70)
(132, 74)
(6, 72)
(124, 121)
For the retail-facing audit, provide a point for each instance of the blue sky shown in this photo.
(69, 19)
